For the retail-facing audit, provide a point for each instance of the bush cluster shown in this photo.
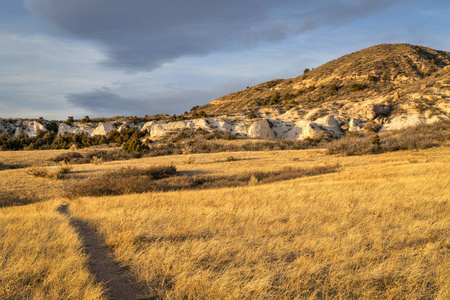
(93, 156)
(166, 178)
(52, 140)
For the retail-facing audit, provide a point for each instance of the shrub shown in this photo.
(275, 98)
(97, 160)
(357, 87)
(232, 158)
(372, 126)
(63, 170)
(134, 146)
(38, 171)
(372, 78)
(67, 157)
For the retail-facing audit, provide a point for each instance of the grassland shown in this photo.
(379, 227)
(41, 256)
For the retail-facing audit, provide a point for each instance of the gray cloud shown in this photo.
(141, 35)
(105, 102)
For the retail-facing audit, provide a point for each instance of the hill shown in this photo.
(378, 71)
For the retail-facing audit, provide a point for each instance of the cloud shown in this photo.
(141, 35)
(103, 101)
(107, 102)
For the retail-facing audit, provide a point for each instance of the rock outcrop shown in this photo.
(103, 129)
(261, 130)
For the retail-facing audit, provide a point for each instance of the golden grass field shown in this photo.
(379, 228)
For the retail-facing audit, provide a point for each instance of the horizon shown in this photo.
(150, 58)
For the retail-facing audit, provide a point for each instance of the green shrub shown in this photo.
(134, 146)
(357, 87)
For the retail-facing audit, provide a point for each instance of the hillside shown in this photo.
(378, 71)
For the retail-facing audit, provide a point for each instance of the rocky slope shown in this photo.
(384, 87)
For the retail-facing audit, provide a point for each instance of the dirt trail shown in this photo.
(101, 264)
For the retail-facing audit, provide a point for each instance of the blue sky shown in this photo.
(143, 57)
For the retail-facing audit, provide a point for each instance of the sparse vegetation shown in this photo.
(41, 171)
(133, 180)
(419, 137)
(41, 256)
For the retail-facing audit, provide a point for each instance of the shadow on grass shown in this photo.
(11, 198)
(4, 166)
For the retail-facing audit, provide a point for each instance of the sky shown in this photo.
(104, 58)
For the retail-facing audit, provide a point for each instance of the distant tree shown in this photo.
(52, 126)
(86, 119)
(287, 97)
(70, 120)
(133, 119)
(376, 141)
(275, 98)
(306, 70)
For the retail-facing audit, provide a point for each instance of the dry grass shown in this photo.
(378, 229)
(41, 256)
(165, 178)
(418, 137)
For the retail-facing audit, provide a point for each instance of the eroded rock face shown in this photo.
(31, 128)
(261, 130)
(103, 129)
(405, 121)
(372, 111)
(65, 129)
(298, 123)
(355, 125)
(148, 126)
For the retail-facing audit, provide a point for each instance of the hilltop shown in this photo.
(379, 71)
